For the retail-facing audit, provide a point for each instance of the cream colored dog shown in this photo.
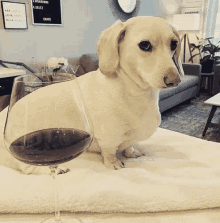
(137, 58)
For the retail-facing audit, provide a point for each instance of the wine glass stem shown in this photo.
(56, 195)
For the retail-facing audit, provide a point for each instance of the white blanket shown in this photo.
(179, 172)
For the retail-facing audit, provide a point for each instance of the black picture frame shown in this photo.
(14, 15)
(47, 12)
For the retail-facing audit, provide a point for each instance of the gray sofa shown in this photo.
(187, 89)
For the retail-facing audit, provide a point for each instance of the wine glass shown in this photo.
(47, 123)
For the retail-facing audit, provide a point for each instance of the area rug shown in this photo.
(190, 119)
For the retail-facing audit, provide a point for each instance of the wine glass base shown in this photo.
(64, 219)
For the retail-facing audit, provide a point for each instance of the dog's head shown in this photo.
(146, 48)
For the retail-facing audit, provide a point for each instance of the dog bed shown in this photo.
(178, 173)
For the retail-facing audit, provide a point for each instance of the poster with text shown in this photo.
(47, 12)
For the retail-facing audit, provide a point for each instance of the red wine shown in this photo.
(50, 146)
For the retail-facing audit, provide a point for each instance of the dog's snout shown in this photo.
(172, 78)
(169, 82)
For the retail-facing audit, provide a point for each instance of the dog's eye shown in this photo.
(145, 45)
(174, 45)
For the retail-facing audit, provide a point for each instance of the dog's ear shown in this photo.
(107, 48)
(176, 56)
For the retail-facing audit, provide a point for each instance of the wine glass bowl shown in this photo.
(47, 121)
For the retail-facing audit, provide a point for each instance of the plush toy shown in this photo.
(61, 64)
(57, 63)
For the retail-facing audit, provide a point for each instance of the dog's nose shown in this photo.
(171, 82)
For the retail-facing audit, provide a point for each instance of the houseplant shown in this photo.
(210, 50)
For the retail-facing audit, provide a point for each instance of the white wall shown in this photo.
(83, 22)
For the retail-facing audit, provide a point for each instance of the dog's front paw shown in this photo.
(131, 152)
(62, 169)
(116, 165)
(112, 162)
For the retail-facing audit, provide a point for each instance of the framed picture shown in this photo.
(47, 12)
(14, 15)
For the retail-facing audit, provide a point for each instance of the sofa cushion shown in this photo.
(89, 62)
(186, 82)
(166, 93)
(80, 71)
(73, 61)
(192, 69)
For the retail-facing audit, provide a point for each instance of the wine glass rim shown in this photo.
(70, 77)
